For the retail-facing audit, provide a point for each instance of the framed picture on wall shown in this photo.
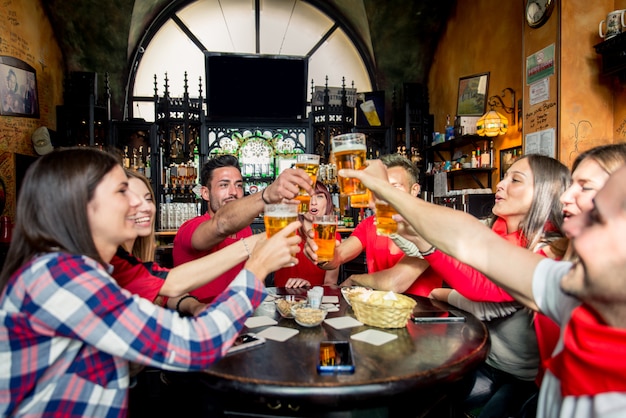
(18, 88)
(507, 157)
(472, 98)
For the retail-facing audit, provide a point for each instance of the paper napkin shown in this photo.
(330, 299)
(259, 321)
(278, 333)
(330, 307)
(343, 322)
(374, 337)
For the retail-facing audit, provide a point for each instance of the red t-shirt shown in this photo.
(305, 269)
(143, 279)
(183, 252)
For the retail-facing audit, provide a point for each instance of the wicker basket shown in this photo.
(381, 313)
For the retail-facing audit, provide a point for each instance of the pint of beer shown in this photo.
(385, 225)
(361, 200)
(311, 164)
(350, 151)
(324, 229)
(277, 216)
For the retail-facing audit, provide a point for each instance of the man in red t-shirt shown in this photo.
(229, 216)
(387, 266)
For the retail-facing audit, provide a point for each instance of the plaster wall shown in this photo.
(26, 34)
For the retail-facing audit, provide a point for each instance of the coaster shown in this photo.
(259, 321)
(374, 337)
(278, 333)
(330, 299)
(343, 322)
(329, 307)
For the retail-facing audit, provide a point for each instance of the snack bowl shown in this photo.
(307, 316)
(284, 304)
(350, 291)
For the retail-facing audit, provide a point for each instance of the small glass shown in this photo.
(277, 216)
(361, 200)
(325, 229)
(350, 151)
(311, 164)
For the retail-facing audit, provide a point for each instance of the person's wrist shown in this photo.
(263, 197)
(180, 301)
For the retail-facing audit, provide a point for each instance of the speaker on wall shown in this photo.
(80, 87)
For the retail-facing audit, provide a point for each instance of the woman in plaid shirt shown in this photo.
(67, 330)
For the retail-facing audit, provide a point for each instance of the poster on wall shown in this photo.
(18, 88)
(540, 65)
(541, 142)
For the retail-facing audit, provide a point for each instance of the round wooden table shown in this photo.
(424, 362)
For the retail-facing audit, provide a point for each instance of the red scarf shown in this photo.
(593, 359)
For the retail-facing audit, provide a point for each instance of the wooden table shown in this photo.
(423, 363)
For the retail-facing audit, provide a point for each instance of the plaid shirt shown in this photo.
(67, 333)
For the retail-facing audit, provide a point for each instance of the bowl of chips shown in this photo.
(308, 316)
(383, 309)
(285, 303)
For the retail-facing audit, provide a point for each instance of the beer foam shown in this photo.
(350, 147)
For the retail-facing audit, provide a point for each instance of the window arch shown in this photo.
(270, 27)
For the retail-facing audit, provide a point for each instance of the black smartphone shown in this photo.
(244, 342)
(335, 357)
(436, 317)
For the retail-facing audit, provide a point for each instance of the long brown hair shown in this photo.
(551, 179)
(51, 210)
(143, 247)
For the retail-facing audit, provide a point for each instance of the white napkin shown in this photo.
(342, 322)
(330, 299)
(278, 333)
(374, 337)
(259, 321)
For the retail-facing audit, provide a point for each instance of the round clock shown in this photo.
(538, 12)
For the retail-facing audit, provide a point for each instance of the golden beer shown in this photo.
(311, 164)
(277, 216)
(360, 200)
(385, 225)
(354, 159)
(324, 230)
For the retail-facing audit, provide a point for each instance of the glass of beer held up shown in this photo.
(311, 164)
(361, 200)
(350, 151)
(277, 216)
(324, 229)
(385, 225)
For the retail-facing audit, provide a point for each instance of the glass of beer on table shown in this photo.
(276, 216)
(311, 164)
(324, 230)
(350, 151)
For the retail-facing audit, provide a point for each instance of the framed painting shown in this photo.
(507, 157)
(18, 88)
(472, 98)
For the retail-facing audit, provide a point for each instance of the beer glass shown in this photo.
(350, 152)
(361, 200)
(311, 164)
(324, 229)
(385, 225)
(277, 216)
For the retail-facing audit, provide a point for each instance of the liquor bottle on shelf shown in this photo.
(141, 168)
(126, 158)
(473, 161)
(148, 173)
(485, 157)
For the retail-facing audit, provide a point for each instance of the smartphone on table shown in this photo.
(436, 317)
(335, 357)
(244, 342)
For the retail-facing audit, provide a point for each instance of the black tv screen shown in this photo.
(255, 86)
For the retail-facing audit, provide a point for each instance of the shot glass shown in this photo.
(276, 216)
(325, 229)
(314, 296)
(350, 151)
(385, 225)
(311, 164)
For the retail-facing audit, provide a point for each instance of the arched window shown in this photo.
(267, 27)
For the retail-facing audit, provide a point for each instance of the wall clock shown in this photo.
(538, 12)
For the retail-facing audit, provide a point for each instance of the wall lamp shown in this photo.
(494, 123)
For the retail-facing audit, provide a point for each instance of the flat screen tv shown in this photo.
(256, 87)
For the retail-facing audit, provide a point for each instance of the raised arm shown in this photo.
(240, 213)
(458, 234)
